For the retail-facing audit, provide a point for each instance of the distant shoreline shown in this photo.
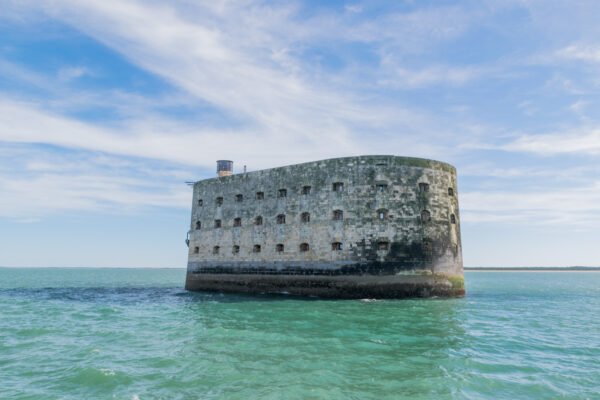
(533, 269)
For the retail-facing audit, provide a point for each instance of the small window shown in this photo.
(219, 201)
(256, 248)
(260, 195)
(305, 217)
(452, 219)
(306, 190)
(198, 224)
(200, 202)
(427, 247)
(217, 223)
(450, 192)
(282, 193)
(338, 187)
(196, 250)
(381, 187)
(338, 215)
(279, 247)
(304, 247)
(239, 198)
(425, 216)
(281, 219)
(382, 214)
(235, 249)
(237, 222)
(258, 220)
(383, 245)
(336, 246)
(423, 187)
(216, 250)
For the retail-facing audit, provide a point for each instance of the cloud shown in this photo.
(580, 52)
(583, 141)
(70, 73)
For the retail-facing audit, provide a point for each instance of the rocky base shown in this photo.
(338, 287)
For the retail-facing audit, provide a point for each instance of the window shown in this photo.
(282, 193)
(260, 195)
(383, 245)
(382, 187)
(235, 249)
(304, 247)
(425, 216)
(382, 214)
(256, 248)
(305, 217)
(239, 198)
(336, 246)
(306, 190)
(338, 215)
(450, 192)
(423, 187)
(196, 250)
(198, 225)
(237, 222)
(427, 247)
(258, 220)
(452, 219)
(217, 223)
(200, 202)
(279, 248)
(216, 250)
(338, 187)
(219, 201)
(281, 219)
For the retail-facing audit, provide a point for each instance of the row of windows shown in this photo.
(338, 215)
(306, 190)
(335, 246)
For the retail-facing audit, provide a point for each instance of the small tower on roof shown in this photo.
(224, 168)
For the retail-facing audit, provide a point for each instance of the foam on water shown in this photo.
(136, 334)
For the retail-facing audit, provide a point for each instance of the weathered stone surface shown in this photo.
(408, 191)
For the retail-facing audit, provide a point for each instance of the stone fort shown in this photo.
(352, 227)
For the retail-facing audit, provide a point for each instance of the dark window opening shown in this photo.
(219, 201)
(282, 193)
(423, 187)
(382, 214)
(260, 195)
(279, 248)
(383, 245)
(196, 250)
(306, 190)
(217, 223)
(425, 216)
(381, 187)
(239, 198)
(336, 246)
(450, 192)
(281, 219)
(237, 222)
(258, 221)
(216, 250)
(235, 249)
(200, 202)
(256, 248)
(198, 225)
(338, 187)
(304, 247)
(305, 217)
(452, 219)
(338, 215)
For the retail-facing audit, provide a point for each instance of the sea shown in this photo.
(84, 333)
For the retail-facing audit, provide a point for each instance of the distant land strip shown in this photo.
(533, 269)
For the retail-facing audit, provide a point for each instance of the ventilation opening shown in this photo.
(281, 219)
(198, 225)
(219, 201)
(237, 222)
(382, 187)
(306, 190)
(336, 246)
(383, 245)
(217, 223)
(425, 216)
(338, 215)
(279, 248)
(382, 214)
(423, 187)
(239, 198)
(450, 192)
(452, 219)
(304, 247)
(216, 250)
(338, 187)
(256, 248)
(305, 217)
(196, 250)
(282, 193)
(235, 250)
(200, 202)
(258, 221)
(260, 195)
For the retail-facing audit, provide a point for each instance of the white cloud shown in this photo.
(580, 52)
(584, 141)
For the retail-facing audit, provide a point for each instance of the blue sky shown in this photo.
(107, 108)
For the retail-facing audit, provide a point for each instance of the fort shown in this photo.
(353, 227)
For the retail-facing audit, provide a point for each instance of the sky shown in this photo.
(108, 108)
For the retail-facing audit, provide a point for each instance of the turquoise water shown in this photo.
(135, 334)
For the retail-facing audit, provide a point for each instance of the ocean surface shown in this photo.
(136, 334)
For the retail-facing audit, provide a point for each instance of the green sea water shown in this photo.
(136, 334)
